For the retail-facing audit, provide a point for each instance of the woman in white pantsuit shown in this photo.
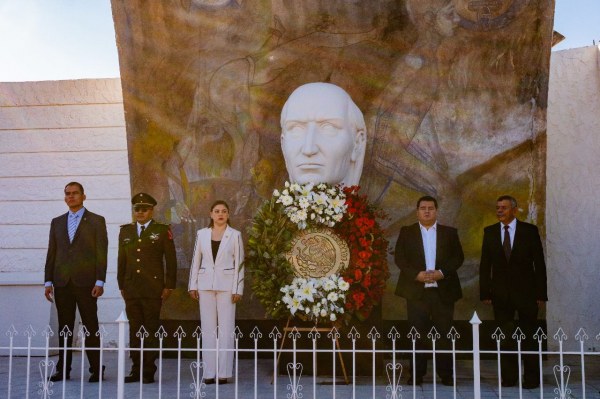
(217, 281)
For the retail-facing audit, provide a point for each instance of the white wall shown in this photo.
(573, 194)
(52, 133)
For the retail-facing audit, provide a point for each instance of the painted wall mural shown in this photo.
(453, 92)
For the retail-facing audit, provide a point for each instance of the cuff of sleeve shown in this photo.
(48, 284)
(100, 283)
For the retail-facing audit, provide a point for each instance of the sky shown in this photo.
(75, 39)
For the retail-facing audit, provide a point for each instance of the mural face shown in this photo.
(453, 94)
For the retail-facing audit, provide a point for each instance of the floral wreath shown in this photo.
(353, 292)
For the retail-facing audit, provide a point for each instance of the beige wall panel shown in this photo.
(83, 91)
(62, 116)
(51, 140)
(88, 163)
(573, 190)
(51, 188)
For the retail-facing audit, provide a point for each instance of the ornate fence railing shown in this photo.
(274, 364)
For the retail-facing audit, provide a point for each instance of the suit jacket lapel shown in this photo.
(226, 236)
(497, 237)
(419, 244)
(63, 232)
(81, 225)
(207, 240)
(517, 240)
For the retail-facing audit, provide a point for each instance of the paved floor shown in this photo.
(324, 387)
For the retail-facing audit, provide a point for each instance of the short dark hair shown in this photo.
(427, 198)
(74, 183)
(218, 202)
(512, 200)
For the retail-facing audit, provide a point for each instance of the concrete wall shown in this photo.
(52, 133)
(572, 194)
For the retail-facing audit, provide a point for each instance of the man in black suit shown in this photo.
(75, 272)
(512, 278)
(147, 269)
(428, 255)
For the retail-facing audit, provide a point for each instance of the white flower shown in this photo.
(343, 284)
(276, 193)
(332, 296)
(301, 214)
(303, 202)
(306, 189)
(286, 200)
(332, 317)
(294, 305)
(323, 313)
(329, 285)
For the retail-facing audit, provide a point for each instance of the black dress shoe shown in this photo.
(132, 377)
(148, 380)
(418, 380)
(209, 381)
(531, 384)
(58, 376)
(222, 381)
(448, 381)
(508, 383)
(95, 377)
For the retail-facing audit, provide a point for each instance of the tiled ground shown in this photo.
(324, 387)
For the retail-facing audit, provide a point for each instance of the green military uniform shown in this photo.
(147, 264)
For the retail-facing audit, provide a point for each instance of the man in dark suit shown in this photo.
(75, 272)
(147, 269)
(512, 278)
(428, 255)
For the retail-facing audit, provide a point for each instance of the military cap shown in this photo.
(143, 199)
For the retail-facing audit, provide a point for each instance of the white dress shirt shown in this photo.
(429, 247)
(512, 228)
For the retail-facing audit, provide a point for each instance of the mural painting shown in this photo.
(453, 94)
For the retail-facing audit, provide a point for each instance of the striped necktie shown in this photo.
(72, 226)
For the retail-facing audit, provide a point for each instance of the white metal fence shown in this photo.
(256, 374)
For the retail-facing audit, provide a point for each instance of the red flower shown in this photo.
(357, 275)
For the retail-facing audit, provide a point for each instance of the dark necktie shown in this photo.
(144, 228)
(506, 243)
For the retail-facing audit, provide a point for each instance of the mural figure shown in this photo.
(323, 136)
(405, 102)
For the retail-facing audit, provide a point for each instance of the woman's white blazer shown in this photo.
(226, 272)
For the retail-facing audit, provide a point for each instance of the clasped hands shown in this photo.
(235, 298)
(429, 276)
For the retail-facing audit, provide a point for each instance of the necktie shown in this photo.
(142, 228)
(506, 243)
(72, 227)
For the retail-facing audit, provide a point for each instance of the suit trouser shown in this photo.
(68, 299)
(143, 312)
(424, 313)
(216, 310)
(504, 313)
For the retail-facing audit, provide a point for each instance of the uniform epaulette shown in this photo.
(162, 224)
(126, 224)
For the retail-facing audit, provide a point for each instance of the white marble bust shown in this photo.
(323, 135)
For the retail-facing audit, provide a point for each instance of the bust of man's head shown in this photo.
(323, 136)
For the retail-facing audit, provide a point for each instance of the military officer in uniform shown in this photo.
(147, 268)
